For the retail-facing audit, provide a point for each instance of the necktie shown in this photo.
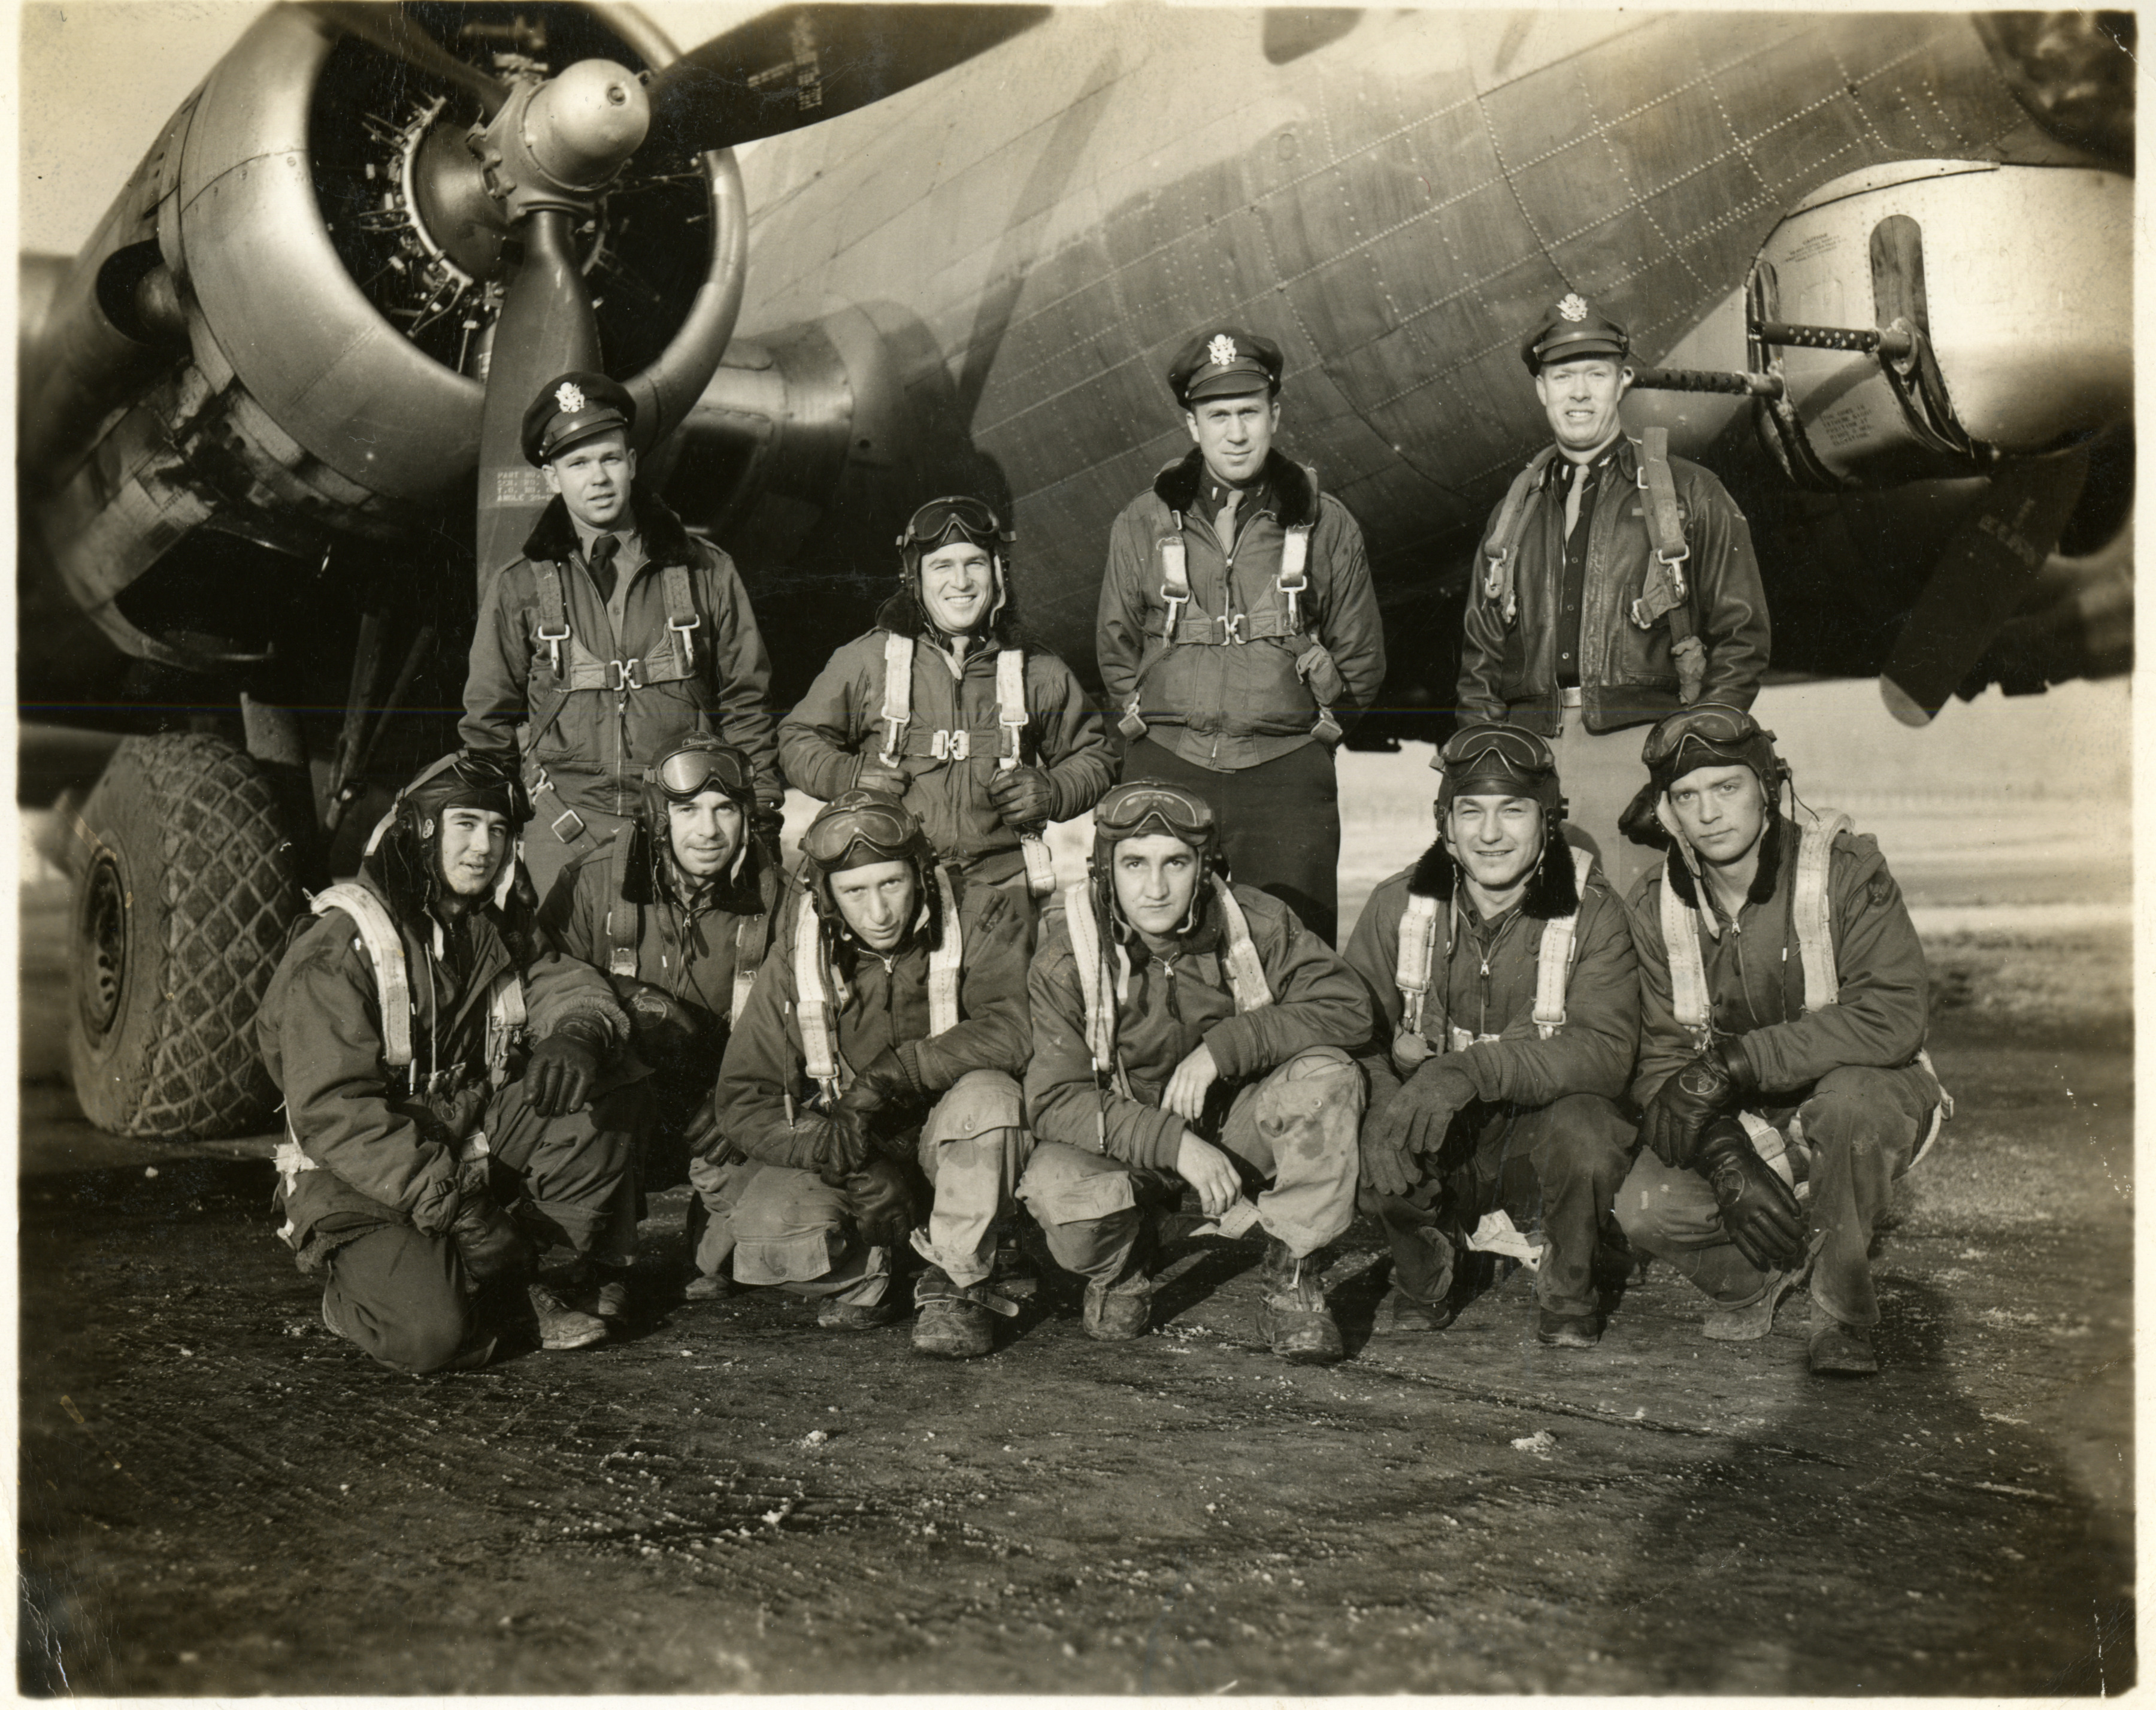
(601, 560)
(1572, 498)
(1225, 525)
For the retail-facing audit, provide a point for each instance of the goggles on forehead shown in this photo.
(888, 832)
(463, 774)
(1726, 733)
(1132, 808)
(686, 774)
(1519, 751)
(936, 523)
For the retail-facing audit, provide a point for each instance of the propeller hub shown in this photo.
(580, 127)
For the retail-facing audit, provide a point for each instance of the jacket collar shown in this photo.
(1294, 487)
(1551, 893)
(1779, 832)
(1621, 454)
(553, 537)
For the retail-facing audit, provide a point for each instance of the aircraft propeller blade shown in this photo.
(393, 30)
(1982, 575)
(795, 65)
(547, 327)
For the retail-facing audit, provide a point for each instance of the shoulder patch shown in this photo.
(1880, 890)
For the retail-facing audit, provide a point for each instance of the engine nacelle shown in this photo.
(265, 345)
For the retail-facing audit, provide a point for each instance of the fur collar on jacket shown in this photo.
(901, 615)
(1293, 487)
(665, 542)
(1551, 893)
(1678, 876)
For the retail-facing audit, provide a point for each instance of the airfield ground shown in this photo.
(219, 1497)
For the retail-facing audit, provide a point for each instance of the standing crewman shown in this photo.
(1782, 1061)
(874, 1070)
(426, 1150)
(1189, 1030)
(946, 704)
(1504, 975)
(1615, 583)
(679, 913)
(1238, 630)
(614, 633)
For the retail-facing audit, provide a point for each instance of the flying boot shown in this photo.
(1292, 1315)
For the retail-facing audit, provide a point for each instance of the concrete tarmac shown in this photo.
(218, 1496)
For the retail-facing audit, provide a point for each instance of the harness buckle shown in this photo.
(1176, 603)
(553, 638)
(571, 818)
(682, 628)
(952, 744)
(626, 675)
(1231, 629)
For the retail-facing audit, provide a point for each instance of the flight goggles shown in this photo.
(1492, 745)
(1710, 734)
(878, 831)
(1143, 809)
(687, 773)
(936, 523)
(469, 779)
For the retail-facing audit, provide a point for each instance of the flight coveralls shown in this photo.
(783, 1225)
(1245, 705)
(650, 931)
(369, 1198)
(1624, 674)
(1841, 1085)
(1544, 1139)
(824, 742)
(1284, 1107)
(585, 747)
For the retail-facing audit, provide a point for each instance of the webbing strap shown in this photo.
(1246, 974)
(1201, 628)
(670, 661)
(1688, 996)
(897, 693)
(385, 947)
(553, 608)
(1085, 952)
(812, 1003)
(748, 958)
(682, 621)
(1553, 960)
(1174, 579)
(505, 1019)
(1416, 960)
(945, 962)
(1810, 909)
(1662, 593)
(1295, 555)
(624, 920)
(1010, 705)
(1504, 534)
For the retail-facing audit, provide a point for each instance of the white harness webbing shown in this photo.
(1246, 972)
(1415, 966)
(818, 988)
(385, 948)
(897, 693)
(1811, 913)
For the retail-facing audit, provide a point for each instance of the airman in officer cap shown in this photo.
(1234, 548)
(571, 408)
(1616, 582)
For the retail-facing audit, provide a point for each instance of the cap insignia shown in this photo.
(569, 397)
(1221, 351)
(1572, 307)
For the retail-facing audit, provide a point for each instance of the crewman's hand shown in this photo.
(701, 1134)
(665, 1027)
(837, 1147)
(1387, 1165)
(1023, 796)
(563, 1066)
(1680, 1110)
(1759, 1210)
(1206, 1168)
(881, 1196)
(1414, 1120)
(883, 1096)
(876, 774)
(1186, 1087)
(488, 1242)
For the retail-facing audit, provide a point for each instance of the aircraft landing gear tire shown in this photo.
(187, 886)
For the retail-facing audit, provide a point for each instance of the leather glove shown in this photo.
(563, 1066)
(1686, 1102)
(490, 1244)
(836, 1145)
(700, 1133)
(1759, 1210)
(1387, 1165)
(663, 1026)
(884, 1097)
(880, 1197)
(1412, 1123)
(1022, 795)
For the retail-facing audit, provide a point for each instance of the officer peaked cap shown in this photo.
(571, 408)
(1573, 328)
(1224, 362)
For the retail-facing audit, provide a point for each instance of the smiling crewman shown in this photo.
(1238, 633)
(615, 634)
(1615, 583)
(1504, 973)
(951, 706)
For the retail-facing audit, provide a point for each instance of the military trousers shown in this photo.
(1293, 1133)
(1556, 1166)
(790, 1228)
(402, 1296)
(1602, 773)
(1847, 1143)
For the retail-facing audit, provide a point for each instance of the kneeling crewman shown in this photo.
(679, 913)
(1184, 1027)
(1504, 977)
(880, 1047)
(427, 1151)
(1783, 1057)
